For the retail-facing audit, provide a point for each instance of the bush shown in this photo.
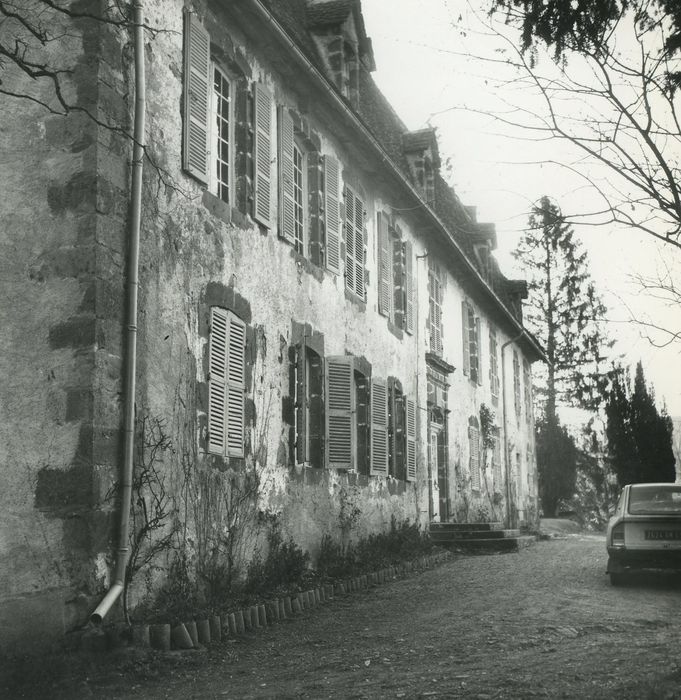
(285, 566)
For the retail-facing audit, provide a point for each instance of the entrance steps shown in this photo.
(479, 537)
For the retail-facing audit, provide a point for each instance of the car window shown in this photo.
(651, 500)
(620, 504)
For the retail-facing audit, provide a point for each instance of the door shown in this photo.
(443, 474)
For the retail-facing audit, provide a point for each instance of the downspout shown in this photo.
(131, 317)
(505, 423)
(417, 321)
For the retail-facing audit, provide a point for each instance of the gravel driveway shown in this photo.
(544, 623)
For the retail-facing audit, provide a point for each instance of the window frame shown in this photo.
(214, 183)
(494, 381)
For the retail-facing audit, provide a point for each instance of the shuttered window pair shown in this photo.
(346, 421)
(226, 385)
(207, 151)
(294, 194)
(471, 343)
(435, 308)
(474, 450)
(354, 243)
(493, 366)
(395, 276)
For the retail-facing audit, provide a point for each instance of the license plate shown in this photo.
(663, 534)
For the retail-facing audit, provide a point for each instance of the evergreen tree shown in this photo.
(639, 436)
(557, 461)
(563, 311)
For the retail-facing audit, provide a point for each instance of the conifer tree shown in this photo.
(639, 436)
(563, 311)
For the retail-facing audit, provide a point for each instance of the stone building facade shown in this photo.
(318, 311)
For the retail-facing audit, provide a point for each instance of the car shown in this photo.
(644, 532)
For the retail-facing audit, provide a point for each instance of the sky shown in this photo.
(429, 68)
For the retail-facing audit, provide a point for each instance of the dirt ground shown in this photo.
(542, 623)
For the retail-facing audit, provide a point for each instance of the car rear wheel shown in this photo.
(616, 579)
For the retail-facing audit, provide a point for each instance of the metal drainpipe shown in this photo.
(503, 401)
(131, 339)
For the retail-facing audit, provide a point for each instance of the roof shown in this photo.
(299, 19)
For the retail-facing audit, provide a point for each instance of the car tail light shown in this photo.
(618, 535)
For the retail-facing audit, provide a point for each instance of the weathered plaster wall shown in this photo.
(51, 303)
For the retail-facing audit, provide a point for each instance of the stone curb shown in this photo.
(214, 629)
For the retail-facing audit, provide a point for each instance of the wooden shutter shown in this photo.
(384, 263)
(262, 156)
(235, 386)
(466, 339)
(435, 313)
(359, 247)
(287, 220)
(340, 414)
(349, 240)
(411, 439)
(332, 213)
(496, 462)
(474, 439)
(409, 286)
(217, 379)
(196, 98)
(379, 427)
(301, 404)
(478, 348)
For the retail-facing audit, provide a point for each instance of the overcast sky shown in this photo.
(428, 68)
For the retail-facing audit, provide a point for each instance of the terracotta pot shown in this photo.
(159, 637)
(180, 637)
(203, 632)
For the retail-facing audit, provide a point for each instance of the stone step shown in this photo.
(503, 544)
(439, 535)
(454, 527)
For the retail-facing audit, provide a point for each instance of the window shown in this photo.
(396, 429)
(370, 425)
(527, 381)
(354, 243)
(309, 428)
(395, 280)
(471, 343)
(493, 366)
(516, 384)
(435, 293)
(221, 136)
(226, 346)
(292, 184)
(474, 451)
(209, 138)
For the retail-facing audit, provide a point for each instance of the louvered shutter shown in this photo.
(384, 264)
(409, 286)
(496, 462)
(301, 404)
(466, 339)
(235, 386)
(332, 213)
(197, 89)
(411, 439)
(349, 240)
(217, 380)
(359, 247)
(474, 439)
(478, 349)
(379, 427)
(285, 159)
(262, 155)
(340, 414)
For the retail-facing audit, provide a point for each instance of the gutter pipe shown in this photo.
(116, 588)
